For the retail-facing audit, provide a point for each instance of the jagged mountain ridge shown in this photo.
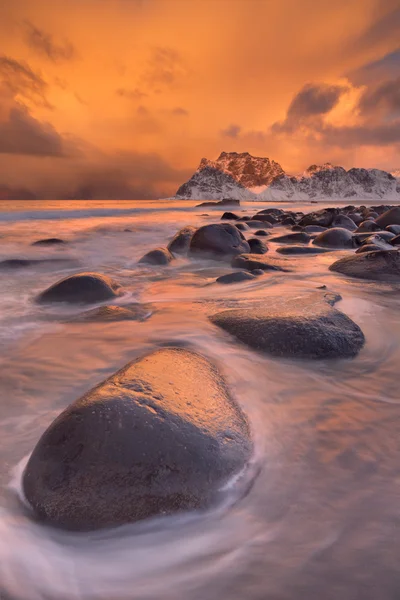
(245, 177)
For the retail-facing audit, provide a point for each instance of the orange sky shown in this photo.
(123, 97)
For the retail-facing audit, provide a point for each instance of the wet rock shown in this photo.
(242, 226)
(159, 256)
(322, 217)
(395, 241)
(265, 219)
(393, 229)
(299, 326)
(22, 263)
(250, 262)
(225, 202)
(356, 218)
(181, 241)
(288, 222)
(110, 313)
(49, 242)
(229, 216)
(261, 232)
(335, 238)
(370, 248)
(218, 240)
(159, 437)
(297, 228)
(236, 277)
(344, 222)
(255, 224)
(292, 238)
(314, 229)
(257, 246)
(301, 250)
(390, 217)
(82, 288)
(366, 226)
(381, 265)
(276, 212)
(258, 272)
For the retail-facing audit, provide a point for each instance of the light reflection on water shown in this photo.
(320, 520)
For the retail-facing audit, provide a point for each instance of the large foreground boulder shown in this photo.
(181, 241)
(300, 326)
(82, 288)
(381, 265)
(218, 241)
(159, 437)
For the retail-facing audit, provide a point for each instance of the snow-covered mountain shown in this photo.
(396, 173)
(245, 177)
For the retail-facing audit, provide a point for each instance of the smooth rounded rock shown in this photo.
(236, 277)
(366, 226)
(158, 256)
(307, 250)
(299, 326)
(323, 217)
(257, 246)
(338, 237)
(181, 241)
(345, 222)
(110, 313)
(382, 265)
(218, 240)
(393, 229)
(314, 229)
(390, 217)
(299, 237)
(159, 437)
(261, 233)
(250, 262)
(82, 288)
(229, 216)
(49, 242)
(241, 226)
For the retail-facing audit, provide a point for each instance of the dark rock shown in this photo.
(356, 218)
(292, 238)
(21, 263)
(370, 248)
(258, 272)
(288, 222)
(390, 217)
(381, 265)
(395, 241)
(110, 313)
(181, 241)
(49, 242)
(393, 229)
(255, 261)
(297, 228)
(322, 217)
(258, 224)
(242, 226)
(82, 288)
(219, 240)
(314, 229)
(261, 232)
(265, 219)
(345, 222)
(299, 326)
(236, 277)
(159, 256)
(225, 202)
(257, 246)
(301, 250)
(335, 238)
(271, 211)
(229, 216)
(366, 226)
(161, 436)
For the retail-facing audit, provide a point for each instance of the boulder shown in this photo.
(288, 222)
(181, 241)
(257, 246)
(22, 263)
(366, 226)
(159, 437)
(335, 238)
(159, 256)
(313, 229)
(261, 232)
(395, 241)
(390, 217)
(299, 326)
(393, 229)
(250, 262)
(308, 250)
(345, 222)
(322, 217)
(236, 277)
(242, 227)
(265, 218)
(110, 313)
(229, 216)
(382, 265)
(218, 240)
(257, 224)
(299, 237)
(82, 288)
(49, 242)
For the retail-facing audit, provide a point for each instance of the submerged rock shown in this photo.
(299, 237)
(299, 326)
(338, 237)
(159, 256)
(236, 277)
(382, 265)
(322, 217)
(159, 437)
(82, 288)
(218, 240)
(301, 250)
(110, 313)
(257, 246)
(21, 263)
(251, 262)
(181, 241)
(49, 242)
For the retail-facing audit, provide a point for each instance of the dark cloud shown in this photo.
(233, 131)
(383, 29)
(384, 99)
(19, 79)
(381, 134)
(165, 68)
(135, 94)
(44, 44)
(20, 133)
(377, 71)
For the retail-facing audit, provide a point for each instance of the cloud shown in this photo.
(382, 29)
(20, 133)
(135, 94)
(383, 99)
(22, 81)
(233, 131)
(164, 68)
(44, 44)
(376, 71)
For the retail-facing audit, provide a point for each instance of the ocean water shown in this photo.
(321, 519)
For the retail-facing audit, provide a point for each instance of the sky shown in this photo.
(122, 98)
